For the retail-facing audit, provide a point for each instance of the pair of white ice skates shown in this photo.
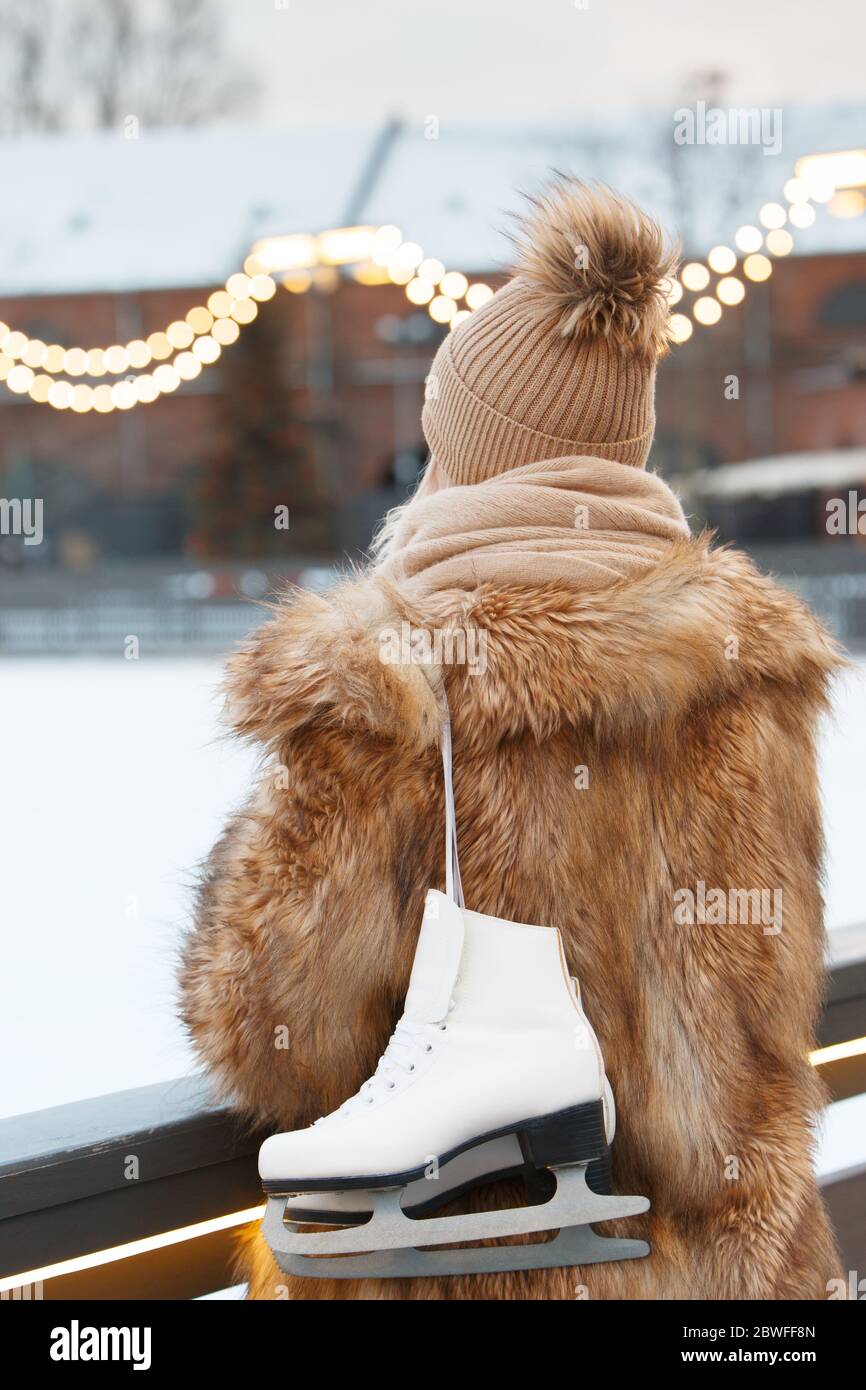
(492, 1071)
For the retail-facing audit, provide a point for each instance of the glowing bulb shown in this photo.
(123, 395)
(674, 292)
(238, 286)
(116, 359)
(478, 294)
(40, 388)
(757, 267)
(454, 284)
(187, 366)
(82, 399)
(60, 395)
(400, 274)
(722, 260)
(200, 319)
(749, 239)
(820, 190)
(780, 242)
(681, 328)
(460, 316)
(225, 331)
(801, 215)
(262, 287)
(102, 400)
(54, 357)
(20, 379)
(158, 346)
(206, 349)
(388, 235)
(180, 335)
(431, 269)
(75, 362)
(6, 365)
(772, 215)
(166, 378)
(145, 388)
(34, 353)
(220, 304)
(15, 344)
(138, 353)
(252, 267)
(796, 190)
(420, 291)
(730, 290)
(442, 309)
(695, 276)
(244, 310)
(707, 310)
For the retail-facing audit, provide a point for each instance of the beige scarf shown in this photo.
(578, 522)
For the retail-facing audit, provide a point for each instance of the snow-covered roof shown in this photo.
(174, 208)
(169, 209)
(454, 194)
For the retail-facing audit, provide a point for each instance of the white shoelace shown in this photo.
(407, 1040)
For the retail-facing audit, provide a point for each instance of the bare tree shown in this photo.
(90, 64)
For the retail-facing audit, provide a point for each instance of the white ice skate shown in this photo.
(492, 1071)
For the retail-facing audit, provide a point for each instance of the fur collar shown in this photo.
(701, 626)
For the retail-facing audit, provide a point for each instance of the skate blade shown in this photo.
(387, 1246)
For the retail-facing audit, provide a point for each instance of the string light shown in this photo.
(420, 290)
(442, 308)
(749, 239)
(722, 260)
(681, 328)
(757, 267)
(707, 310)
(730, 290)
(836, 179)
(432, 270)
(801, 215)
(478, 294)
(772, 215)
(780, 242)
(379, 255)
(695, 276)
(454, 285)
(28, 365)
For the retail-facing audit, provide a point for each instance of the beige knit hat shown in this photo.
(562, 359)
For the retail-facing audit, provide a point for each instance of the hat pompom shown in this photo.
(599, 265)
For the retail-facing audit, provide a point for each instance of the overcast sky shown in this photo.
(358, 60)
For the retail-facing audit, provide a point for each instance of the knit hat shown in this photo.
(561, 360)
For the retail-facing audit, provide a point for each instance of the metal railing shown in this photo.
(68, 1185)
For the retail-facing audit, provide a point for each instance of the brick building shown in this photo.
(317, 406)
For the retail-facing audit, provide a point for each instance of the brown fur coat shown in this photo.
(690, 696)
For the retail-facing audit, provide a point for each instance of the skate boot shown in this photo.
(492, 1071)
